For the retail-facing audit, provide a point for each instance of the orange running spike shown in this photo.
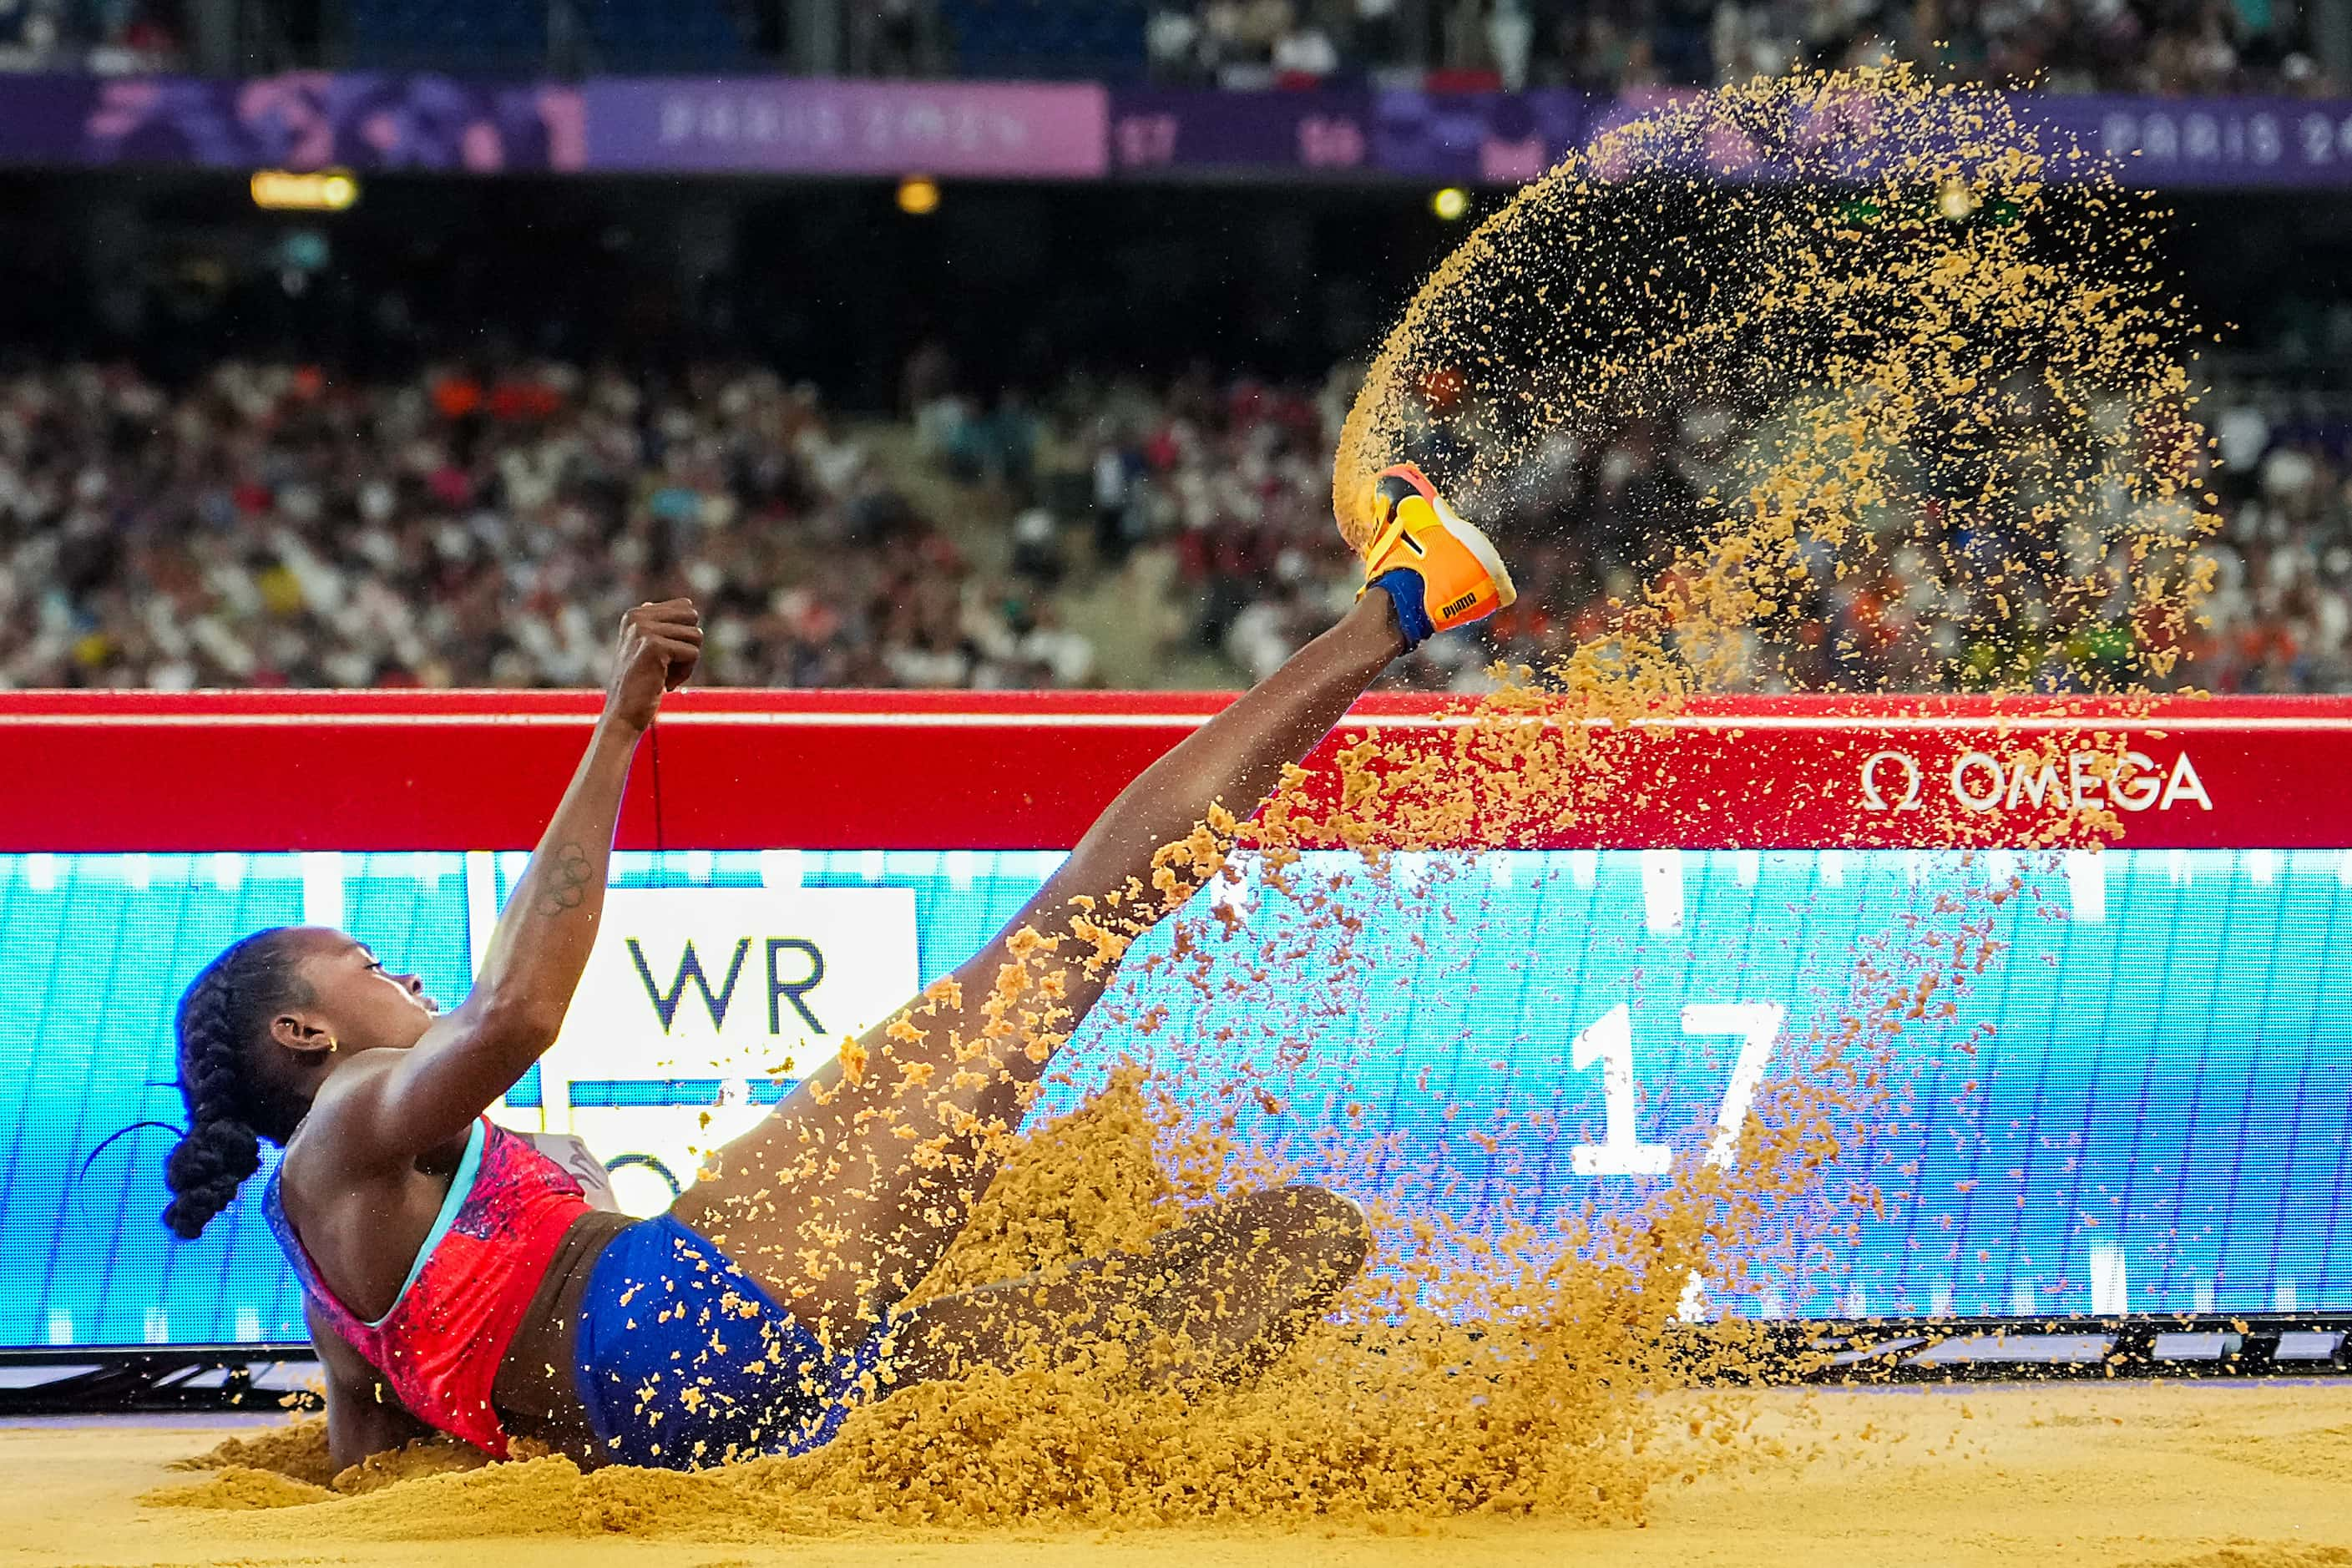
(1451, 568)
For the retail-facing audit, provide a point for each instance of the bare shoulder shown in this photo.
(336, 1140)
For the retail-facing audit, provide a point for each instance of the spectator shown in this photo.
(1305, 53)
(1511, 34)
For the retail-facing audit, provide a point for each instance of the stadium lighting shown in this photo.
(1955, 200)
(918, 196)
(323, 190)
(1450, 203)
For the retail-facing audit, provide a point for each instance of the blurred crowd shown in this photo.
(2179, 46)
(2066, 46)
(270, 526)
(1218, 492)
(2281, 609)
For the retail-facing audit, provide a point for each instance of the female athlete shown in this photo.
(455, 1278)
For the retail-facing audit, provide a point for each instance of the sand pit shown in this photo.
(2214, 1474)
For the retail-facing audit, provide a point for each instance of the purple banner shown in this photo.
(1474, 138)
(313, 120)
(1486, 138)
(41, 118)
(773, 126)
(2244, 143)
(1178, 131)
(370, 121)
(1501, 139)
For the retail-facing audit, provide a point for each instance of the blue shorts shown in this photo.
(683, 1361)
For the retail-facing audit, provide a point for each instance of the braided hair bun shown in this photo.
(204, 1170)
(223, 1022)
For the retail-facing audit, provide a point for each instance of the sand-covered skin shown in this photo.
(2208, 1475)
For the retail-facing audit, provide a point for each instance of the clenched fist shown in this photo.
(660, 645)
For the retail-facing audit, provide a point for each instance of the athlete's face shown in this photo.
(361, 1004)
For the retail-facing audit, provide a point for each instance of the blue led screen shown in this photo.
(2156, 1121)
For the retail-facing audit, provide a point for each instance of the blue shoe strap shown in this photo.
(1409, 594)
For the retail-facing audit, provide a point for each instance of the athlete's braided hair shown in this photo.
(223, 1021)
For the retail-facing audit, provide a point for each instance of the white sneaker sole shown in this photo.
(1481, 548)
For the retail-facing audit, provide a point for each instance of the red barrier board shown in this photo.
(475, 769)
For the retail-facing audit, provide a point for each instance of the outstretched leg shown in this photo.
(845, 1196)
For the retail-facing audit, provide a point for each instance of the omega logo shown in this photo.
(1981, 782)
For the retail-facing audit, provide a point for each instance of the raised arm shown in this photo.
(470, 1056)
